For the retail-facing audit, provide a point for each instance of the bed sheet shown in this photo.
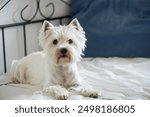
(116, 78)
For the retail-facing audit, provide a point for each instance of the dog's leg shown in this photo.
(87, 92)
(57, 92)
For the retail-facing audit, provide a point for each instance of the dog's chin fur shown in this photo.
(53, 69)
(63, 59)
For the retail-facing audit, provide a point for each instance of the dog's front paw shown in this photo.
(62, 97)
(61, 94)
(90, 93)
(57, 92)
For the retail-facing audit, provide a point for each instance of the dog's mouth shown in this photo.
(63, 58)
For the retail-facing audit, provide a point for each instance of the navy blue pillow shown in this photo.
(115, 27)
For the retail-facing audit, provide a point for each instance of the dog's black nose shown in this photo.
(63, 51)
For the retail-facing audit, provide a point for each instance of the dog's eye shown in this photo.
(70, 41)
(55, 42)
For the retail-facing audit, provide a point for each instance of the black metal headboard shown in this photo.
(28, 22)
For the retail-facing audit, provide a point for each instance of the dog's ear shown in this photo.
(46, 26)
(75, 24)
(43, 32)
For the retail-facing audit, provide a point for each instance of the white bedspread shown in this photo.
(116, 78)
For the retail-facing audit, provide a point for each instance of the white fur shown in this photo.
(56, 74)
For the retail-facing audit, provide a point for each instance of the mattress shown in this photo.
(116, 79)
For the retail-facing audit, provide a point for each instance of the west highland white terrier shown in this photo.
(55, 67)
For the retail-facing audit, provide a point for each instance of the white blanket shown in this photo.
(116, 78)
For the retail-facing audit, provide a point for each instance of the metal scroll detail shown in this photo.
(51, 5)
(3, 3)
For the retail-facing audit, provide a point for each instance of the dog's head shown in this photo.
(63, 44)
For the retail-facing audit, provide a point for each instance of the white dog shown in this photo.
(55, 67)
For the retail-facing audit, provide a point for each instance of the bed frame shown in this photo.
(28, 22)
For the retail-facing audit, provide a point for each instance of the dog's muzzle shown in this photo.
(63, 56)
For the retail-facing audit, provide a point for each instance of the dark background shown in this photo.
(114, 27)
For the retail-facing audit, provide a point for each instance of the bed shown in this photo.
(116, 78)
(116, 60)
